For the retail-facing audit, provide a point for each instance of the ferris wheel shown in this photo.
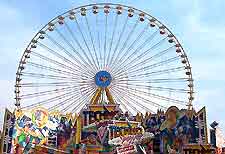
(104, 47)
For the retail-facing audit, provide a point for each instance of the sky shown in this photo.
(198, 24)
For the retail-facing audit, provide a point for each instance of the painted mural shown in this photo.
(37, 127)
(94, 131)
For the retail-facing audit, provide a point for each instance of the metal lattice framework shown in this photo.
(148, 67)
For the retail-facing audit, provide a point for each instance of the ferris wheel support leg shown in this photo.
(78, 131)
(109, 96)
(96, 96)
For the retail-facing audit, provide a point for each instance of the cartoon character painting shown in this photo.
(176, 131)
(31, 128)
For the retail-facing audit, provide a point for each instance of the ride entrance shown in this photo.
(105, 78)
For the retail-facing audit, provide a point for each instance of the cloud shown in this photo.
(208, 35)
(6, 94)
(14, 38)
(204, 39)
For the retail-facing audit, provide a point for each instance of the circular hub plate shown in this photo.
(103, 79)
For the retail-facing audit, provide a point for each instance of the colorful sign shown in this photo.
(198, 148)
(7, 132)
(32, 128)
(127, 149)
(162, 132)
(37, 126)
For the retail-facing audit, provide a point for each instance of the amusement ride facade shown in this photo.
(105, 78)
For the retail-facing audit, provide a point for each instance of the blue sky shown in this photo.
(199, 25)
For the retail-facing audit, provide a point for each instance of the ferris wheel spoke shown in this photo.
(118, 41)
(59, 97)
(119, 101)
(162, 97)
(127, 97)
(143, 99)
(47, 76)
(50, 84)
(143, 54)
(125, 104)
(53, 61)
(98, 37)
(161, 88)
(139, 95)
(160, 72)
(112, 38)
(49, 100)
(82, 103)
(139, 36)
(161, 80)
(86, 44)
(86, 83)
(92, 42)
(157, 96)
(161, 53)
(62, 49)
(58, 71)
(135, 68)
(105, 40)
(58, 55)
(125, 101)
(140, 47)
(74, 102)
(63, 102)
(75, 66)
(74, 50)
(137, 59)
(29, 85)
(153, 73)
(124, 44)
(138, 103)
(154, 88)
(155, 65)
(79, 45)
(48, 92)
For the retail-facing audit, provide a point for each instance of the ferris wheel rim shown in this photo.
(157, 22)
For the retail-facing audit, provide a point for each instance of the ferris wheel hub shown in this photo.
(103, 79)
